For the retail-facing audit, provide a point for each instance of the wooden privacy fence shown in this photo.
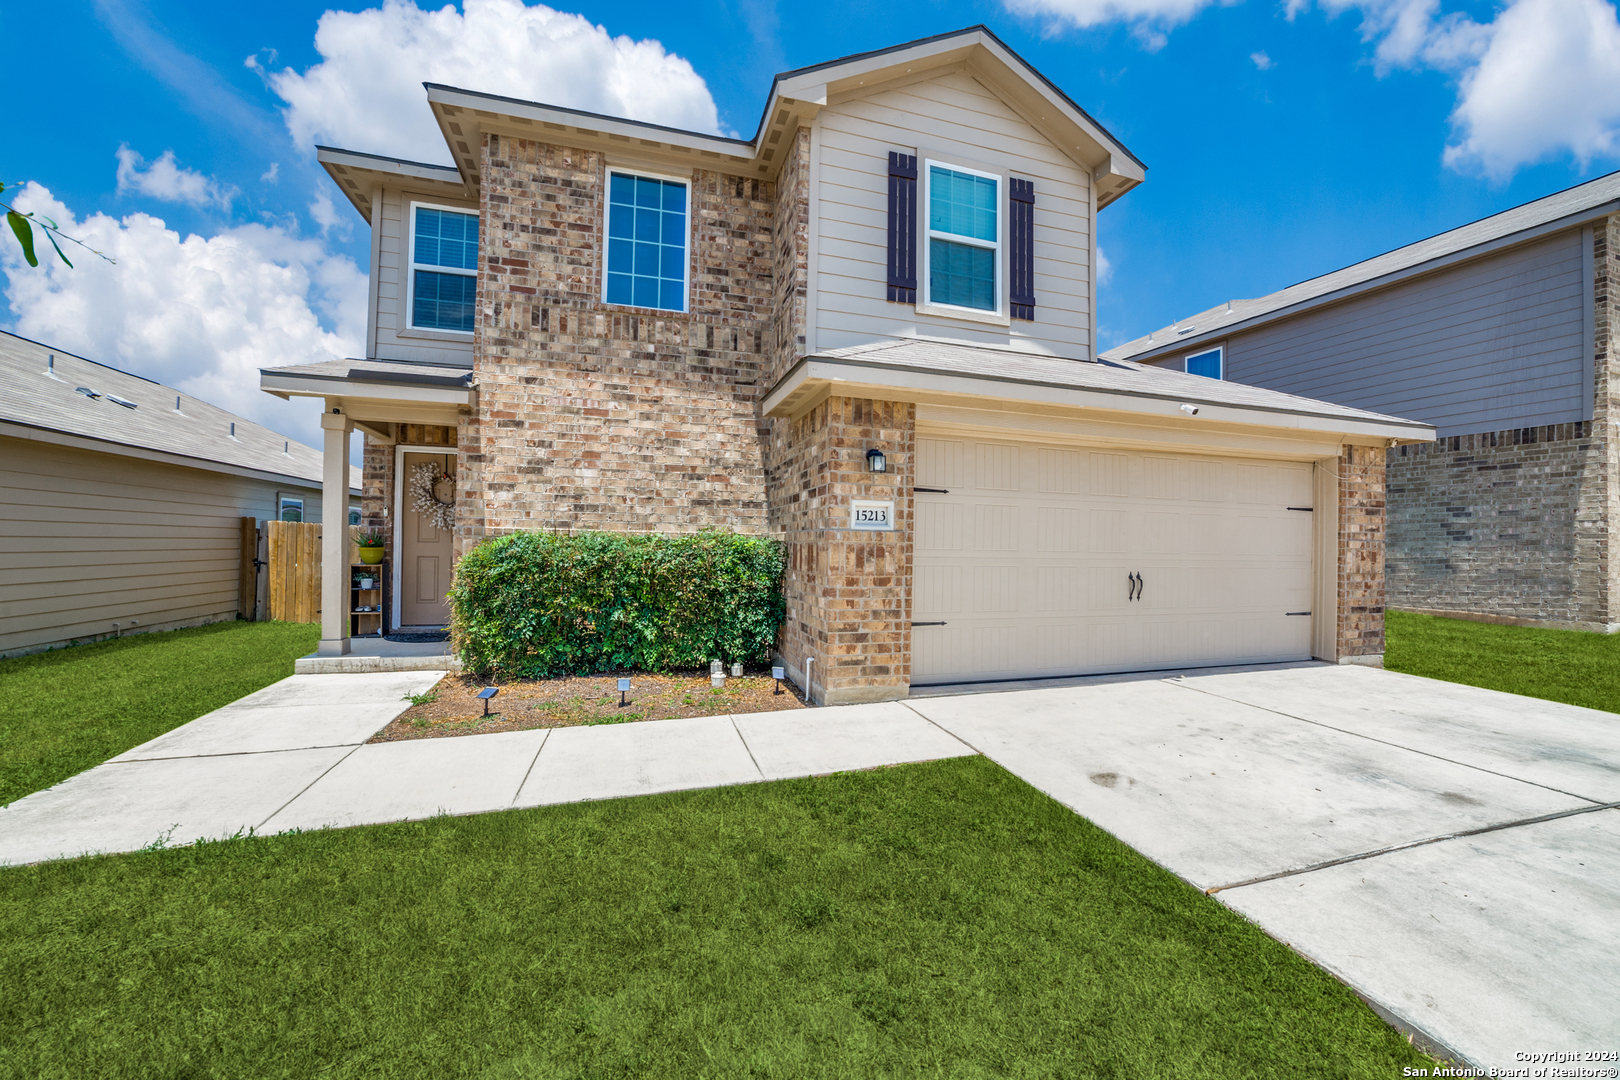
(293, 554)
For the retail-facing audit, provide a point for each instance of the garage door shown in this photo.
(1036, 561)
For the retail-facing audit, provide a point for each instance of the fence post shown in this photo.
(247, 582)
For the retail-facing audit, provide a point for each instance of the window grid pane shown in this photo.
(961, 275)
(646, 256)
(444, 238)
(961, 203)
(443, 301)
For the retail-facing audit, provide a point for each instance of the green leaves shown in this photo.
(544, 604)
(25, 235)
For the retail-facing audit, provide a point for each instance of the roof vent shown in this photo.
(87, 392)
(50, 367)
(125, 402)
(286, 448)
(1185, 330)
(233, 429)
(177, 403)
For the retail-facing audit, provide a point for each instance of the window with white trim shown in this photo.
(1208, 363)
(964, 238)
(289, 508)
(648, 241)
(444, 268)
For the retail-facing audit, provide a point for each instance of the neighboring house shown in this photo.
(123, 500)
(867, 330)
(1497, 333)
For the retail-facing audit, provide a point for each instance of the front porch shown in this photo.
(409, 415)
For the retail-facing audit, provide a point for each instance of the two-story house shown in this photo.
(867, 330)
(1498, 333)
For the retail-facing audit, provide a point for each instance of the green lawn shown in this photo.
(1571, 666)
(940, 920)
(63, 711)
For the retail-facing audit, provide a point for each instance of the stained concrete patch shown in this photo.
(1492, 944)
(128, 806)
(608, 762)
(1221, 792)
(418, 779)
(1561, 746)
(810, 742)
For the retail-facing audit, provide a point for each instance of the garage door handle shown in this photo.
(936, 491)
(927, 624)
(1296, 613)
(1134, 590)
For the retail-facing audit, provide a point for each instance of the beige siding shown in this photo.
(394, 338)
(953, 115)
(89, 539)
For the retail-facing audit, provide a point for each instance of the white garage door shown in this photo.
(1047, 560)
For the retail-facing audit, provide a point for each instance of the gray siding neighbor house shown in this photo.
(121, 500)
(1497, 333)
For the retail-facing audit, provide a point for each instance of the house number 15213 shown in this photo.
(871, 516)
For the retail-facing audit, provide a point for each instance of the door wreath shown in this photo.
(433, 493)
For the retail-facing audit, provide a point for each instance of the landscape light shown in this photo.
(624, 688)
(778, 674)
(486, 693)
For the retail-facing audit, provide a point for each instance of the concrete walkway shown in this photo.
(1452, 853)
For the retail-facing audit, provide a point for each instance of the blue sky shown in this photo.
(1283, 140)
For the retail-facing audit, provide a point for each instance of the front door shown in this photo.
(425, 548)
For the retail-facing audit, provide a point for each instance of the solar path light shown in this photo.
(624, 688)
(486, 693)
(778, 674)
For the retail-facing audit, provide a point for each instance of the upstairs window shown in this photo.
(1208, 364)
(647, 242)
(964, 238)
(444, 269)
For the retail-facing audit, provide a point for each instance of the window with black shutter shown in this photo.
(902, 228)
(1021, 256)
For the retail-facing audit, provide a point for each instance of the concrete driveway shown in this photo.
(1452, 853)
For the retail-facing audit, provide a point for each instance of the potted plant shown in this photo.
(370, 543)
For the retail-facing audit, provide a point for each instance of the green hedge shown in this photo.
(546, 604)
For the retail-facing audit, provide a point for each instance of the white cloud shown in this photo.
(165, 179)
(200, 314)
(1149, 20)
(366, 92)
(1547, 83)
(1262, 61)
(326, 215)
(272, 174)
(1105, 269)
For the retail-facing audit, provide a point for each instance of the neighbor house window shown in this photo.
(290, 509)
(1207, 364)
(647, 242)
(964, 238)
(354, 517)
(444, 268)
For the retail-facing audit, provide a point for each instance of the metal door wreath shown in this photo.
(433, 493)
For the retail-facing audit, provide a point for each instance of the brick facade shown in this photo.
(598, 417)
(1361, 552)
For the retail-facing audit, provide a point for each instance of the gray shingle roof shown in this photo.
(1108, 376)
(405, 371)
(30, 397)
(1578, 200)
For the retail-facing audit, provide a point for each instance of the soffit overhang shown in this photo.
(357, 175)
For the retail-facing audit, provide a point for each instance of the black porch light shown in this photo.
(486, 693)
(875, 462)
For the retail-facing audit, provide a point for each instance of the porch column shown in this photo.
(335, 426)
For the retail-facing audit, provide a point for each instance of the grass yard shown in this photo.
(1571, 666)
(63, 711)
(943, 919)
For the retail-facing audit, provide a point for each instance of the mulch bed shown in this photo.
(582, 700)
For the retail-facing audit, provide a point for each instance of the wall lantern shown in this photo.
(875, 461)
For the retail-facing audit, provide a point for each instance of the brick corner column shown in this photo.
(1361, 556)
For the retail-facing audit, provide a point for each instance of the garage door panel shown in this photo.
(997, 588)
(940, 462)
(940, 526)
(995, 468)
(1060, 528)
(938, 589)
(1110, 474)
(1061, 472)
(995, 526)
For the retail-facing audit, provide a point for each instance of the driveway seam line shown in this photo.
(232, 753)
(1386, 742)
(1415, 844)
(306, 787)
(750, 750)
(946, 730)
(530, 770)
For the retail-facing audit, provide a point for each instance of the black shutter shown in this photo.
(1022, 261)
(902, 227)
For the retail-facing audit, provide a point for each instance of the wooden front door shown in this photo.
(425, 549)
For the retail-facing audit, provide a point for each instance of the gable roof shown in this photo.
(1552, 213)
(40, 391)
(795, 98)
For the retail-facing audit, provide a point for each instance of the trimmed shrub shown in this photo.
(545, 604)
